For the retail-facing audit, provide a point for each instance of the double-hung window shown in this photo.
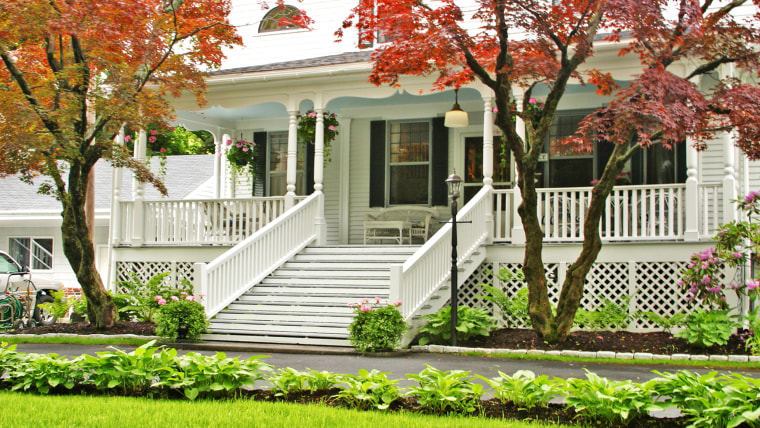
(36, 253)
(409, 166)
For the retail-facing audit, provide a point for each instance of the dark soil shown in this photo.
(655, 343)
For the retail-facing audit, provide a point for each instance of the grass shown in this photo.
(75, 340)
(24, 410)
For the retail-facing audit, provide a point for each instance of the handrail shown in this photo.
(233, 273)
(430, 266)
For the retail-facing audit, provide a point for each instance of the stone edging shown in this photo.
(586, 354)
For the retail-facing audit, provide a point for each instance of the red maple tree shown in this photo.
(75, 72)
(514, 46)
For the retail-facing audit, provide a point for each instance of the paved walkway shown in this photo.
(400, 365)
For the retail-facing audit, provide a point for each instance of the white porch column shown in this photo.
(729, 178)
(290, 195)
(488, 162)
(319, 167)
(218, 165)
(224, 172)
(518, 233)
(115, 223)
(691, 204)
(138, 190)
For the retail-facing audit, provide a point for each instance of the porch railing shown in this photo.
(196, 222)
(710, 205)
(653, 212)
(229, 276)
(430, 267)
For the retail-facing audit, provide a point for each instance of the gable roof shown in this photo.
(183, 175)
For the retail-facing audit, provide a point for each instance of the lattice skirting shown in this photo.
(146, 270)
(653, 286)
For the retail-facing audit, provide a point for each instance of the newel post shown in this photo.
(692, 211)
(729, 179)
(518, 233)
(319, 167)
(488, 164)
(138, 189)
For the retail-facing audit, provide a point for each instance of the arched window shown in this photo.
(271, 21)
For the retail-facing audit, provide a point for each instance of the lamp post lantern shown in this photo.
(454, 184)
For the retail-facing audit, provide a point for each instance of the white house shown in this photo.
(279, 257)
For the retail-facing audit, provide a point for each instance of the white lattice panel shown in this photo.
(146, 270)
(652, 285)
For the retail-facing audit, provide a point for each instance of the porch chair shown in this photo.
(400, 223)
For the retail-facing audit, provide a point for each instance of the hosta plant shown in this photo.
(471, 322)
(524, 388)
(708, 327)
(369, 390)
(376, 326)
(289, 380)
(443, 392)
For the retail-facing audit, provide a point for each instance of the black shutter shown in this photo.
(377, 164)
(309, 169)
(260, 184)
(440, 162)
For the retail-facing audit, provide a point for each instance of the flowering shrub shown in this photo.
(181, 317)
(736, 243)
(307, 129)
(376, 326)
(242, 154)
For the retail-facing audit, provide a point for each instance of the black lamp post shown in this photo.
(454, 184)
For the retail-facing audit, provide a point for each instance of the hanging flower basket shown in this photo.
(242, 155)
(307, 128)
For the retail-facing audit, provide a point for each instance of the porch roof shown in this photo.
(344, 58)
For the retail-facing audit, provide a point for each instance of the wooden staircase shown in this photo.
(305, 302)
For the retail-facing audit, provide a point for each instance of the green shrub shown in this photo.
(666, 322)
(140, 301)
(609, 316)
(376, 327)
(708, 327)
(471, 322)
(513, 310)
(523, 389)
(181, 318)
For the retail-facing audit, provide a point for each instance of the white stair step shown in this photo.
(322, 301)
(331, 273)
(286, 340)
(337, 332)
(345, 281)
(339, 265)
(272, 316)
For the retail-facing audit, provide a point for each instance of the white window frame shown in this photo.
(389, 164)
(31, 253)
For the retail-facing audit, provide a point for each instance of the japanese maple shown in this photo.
(73, 73)
(514, 46)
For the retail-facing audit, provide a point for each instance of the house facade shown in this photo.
(393, 149)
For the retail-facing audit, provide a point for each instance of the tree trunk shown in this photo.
(80, 251)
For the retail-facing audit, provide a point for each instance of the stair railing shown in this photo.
(227, 277)
(429, 269)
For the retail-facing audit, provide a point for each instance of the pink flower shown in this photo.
(245, 149)
(152, 139)
(351, 304)
(495, 109)
(377, 300)
(594, 182)
(365, 308)
(312, 114)
(200, 296)
(127, 138)
(363, 301)
(397, 303)
(532, 100)
(752, 284)
(175, 298)
(158, 298)
(331, 128)
(190, 298)
(219, 154)
(161, 302)
(153, 132)
(182, 293)
(238, 145)
(706, 280)
(163, 150)
(229, 142)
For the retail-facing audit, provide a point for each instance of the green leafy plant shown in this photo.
(611, 402)
(60, 306)
(752, 337)
(289, 380)
(708, 327)
(78, 309)
(43, 372)
(666, 322)
(609, 316)
(524, 388)
(470, 322)
(693, 394)
(183, 318)
(441, 392)
(376, 326)
(513, 310)
(369, 390)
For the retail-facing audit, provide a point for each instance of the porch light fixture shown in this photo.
(454, 184)
(456, 117)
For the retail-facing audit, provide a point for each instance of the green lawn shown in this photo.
(25, 410)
